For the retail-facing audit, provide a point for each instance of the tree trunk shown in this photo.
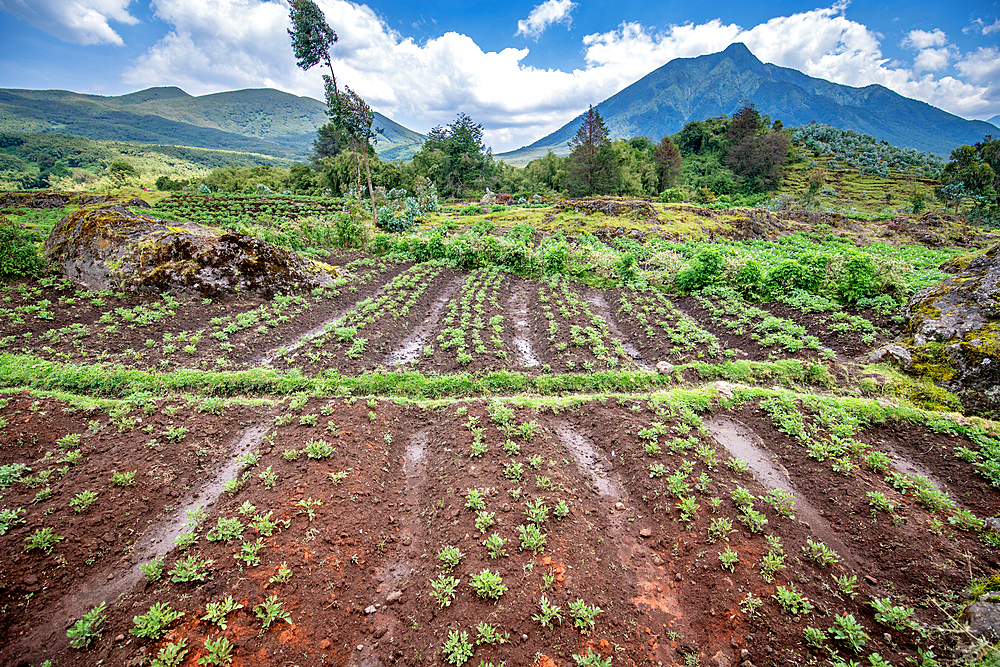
(371, 191)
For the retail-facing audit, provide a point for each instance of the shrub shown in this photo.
(707, 266)
(672, 195)
(18, 250)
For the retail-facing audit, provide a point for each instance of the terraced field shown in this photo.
(426, 464)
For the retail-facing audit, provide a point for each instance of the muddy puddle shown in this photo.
(597, 301)
(158, 541)
(414, 344)
(589, 461)
(740, 441)
(518, 305)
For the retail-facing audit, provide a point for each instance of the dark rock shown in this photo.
(963, 312)
(111, 247)
(983, 617)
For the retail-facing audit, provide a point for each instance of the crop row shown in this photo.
(466, 318)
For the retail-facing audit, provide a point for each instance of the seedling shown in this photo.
(592, 659)
(720, 528)
(815, 637)
(729, 559)
(819, 552)
(894, 616)
(537, 512)
(308, 507)
(488, 634)
(216, 612)
(338, 477)
(457, 648)
(532, 539)
(43, 539)
(225, 530)
(171, 655)
(190, 569)
(583, 616)
(443, 589)
(847, 585)
(474, 499)
(269, 477)
(155, 622)
(495, 545)
(484, 520)
(123, 478)
(879, 502)
(219, 652)
(153, 570)
(792, 601)
(770, 564)
(318, 449)
(186, 540)
(561, 509)
(82, 501)
(88, 628)
(450, 557)
(848, 630)
(487, 585)
(549, 614)
(270, 611)
(783, 502)
(249, 553)
(738, 466)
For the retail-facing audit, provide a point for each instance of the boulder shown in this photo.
(954, 332)
(983, 617)
(664, 368)
(891, 354)
(110, 247)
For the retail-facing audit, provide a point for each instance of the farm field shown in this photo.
(440, 458)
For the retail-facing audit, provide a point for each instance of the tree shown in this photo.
(755, 153)
(973, 172)
(668, 163)
(591, 168)
(455, 158)
(121, 172)
(356, 117)
(312, 38)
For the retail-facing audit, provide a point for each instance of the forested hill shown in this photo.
(687, 89)
(262, 120)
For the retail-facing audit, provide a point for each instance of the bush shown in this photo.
(18, 250)
(706, 267)
(672, 195)
(350, 232)
(859, 278)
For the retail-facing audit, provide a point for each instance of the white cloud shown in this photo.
(544, 15)
(980, 26)
(225, 44)
(82, 22)
(921, 39)
(932, 60)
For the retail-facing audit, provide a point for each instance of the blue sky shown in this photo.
(522, 69)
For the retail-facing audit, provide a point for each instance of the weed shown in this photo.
(308, 507)
(847, 585)
(88, 628)
(815, 637)
(549, 614)
(487, 585)
(751, 604)
(457, 648)
(443, 589)
(43, 539)
(155, 622)
(719, 529)
(583, 616)
(592, 659)
(249, 553)
(270, 611)
(338, 477)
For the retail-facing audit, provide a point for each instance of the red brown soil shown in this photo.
(657, 580)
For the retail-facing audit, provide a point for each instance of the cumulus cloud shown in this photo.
(84, 22)
(544, 15)
(921, 39)
(425, 84)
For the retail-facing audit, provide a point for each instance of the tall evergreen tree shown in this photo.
(668, 163)
(591, 168)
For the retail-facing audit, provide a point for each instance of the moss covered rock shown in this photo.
(954, 331)
(114, 248)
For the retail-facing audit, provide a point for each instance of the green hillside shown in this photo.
(263, 121)
(687, 89)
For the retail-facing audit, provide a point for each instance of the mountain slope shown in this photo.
(259, 120)
(687, 89)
